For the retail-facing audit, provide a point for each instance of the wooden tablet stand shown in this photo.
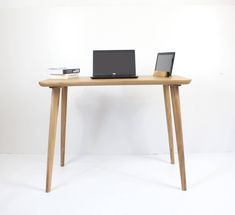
(161, 74)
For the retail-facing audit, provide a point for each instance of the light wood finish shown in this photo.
(141, 80)
(179, 133)
(160, 74)
(63, 124)
(168, 82)
(55, 96)
(167, 98)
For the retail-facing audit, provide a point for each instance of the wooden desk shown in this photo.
(171, 92)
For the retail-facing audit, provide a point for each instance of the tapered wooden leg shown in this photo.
(63, 124)
(179, 133)
(166, 90)
(55, 96)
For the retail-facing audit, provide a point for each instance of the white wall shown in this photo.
(127, 119)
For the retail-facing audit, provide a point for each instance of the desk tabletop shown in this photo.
(141, 80)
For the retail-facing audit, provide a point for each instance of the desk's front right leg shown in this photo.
(179, 133)
(167, 98)
(55, 96)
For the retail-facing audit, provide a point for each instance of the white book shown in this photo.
(63, 70)
(65, 76)
(58, 70)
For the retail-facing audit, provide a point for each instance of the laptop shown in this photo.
(165, 61)
(114, 64)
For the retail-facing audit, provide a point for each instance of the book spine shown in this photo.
(70, 71)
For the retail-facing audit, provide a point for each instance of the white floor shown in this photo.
(120, 185)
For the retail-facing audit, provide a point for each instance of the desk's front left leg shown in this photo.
(55, 96)
(179, 133)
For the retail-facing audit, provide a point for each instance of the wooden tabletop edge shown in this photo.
(64, 82)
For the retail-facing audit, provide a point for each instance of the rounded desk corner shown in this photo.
(41, 84)
(189, 81)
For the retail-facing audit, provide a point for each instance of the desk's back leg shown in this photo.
(179, 133)
(166, 90)
(63, 124)
(55, 96)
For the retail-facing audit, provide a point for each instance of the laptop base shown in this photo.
(112, 77)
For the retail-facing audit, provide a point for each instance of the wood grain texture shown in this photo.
(179, 133)
(171, 83)
(63, 124)
(142, 80)
(55, 96)
(167, 98)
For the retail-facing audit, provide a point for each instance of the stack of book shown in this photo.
(63, 73)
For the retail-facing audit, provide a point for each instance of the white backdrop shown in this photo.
(128, 119)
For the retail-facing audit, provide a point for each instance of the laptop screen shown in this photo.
(114, 63)
(165, 62)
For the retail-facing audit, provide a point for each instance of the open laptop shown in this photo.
(165, 61)
(114, 64)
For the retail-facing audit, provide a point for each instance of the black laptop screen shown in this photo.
(114, 63)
